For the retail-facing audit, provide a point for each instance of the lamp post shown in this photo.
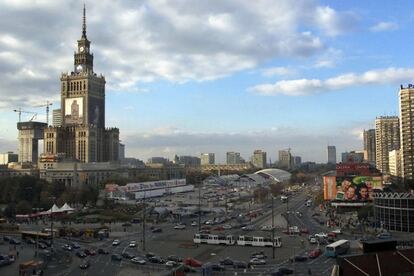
(273, 227)
(51, 222)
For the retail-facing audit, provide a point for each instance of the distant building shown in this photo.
(364, 169)
(259, 159)
(369, 146)
(57, 118)
(189, 161)
(207, 158)
(29, 135)
(9, 157)
(158, 160)
(121, 151)
(387, 138)
(285, 159)
(406, 96)
(297, 161)
(352, 157)
(331, 155)
(233, 158)
(227, 167)
(394, 163)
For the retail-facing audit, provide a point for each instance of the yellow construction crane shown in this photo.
(47, 110)
(20, 111)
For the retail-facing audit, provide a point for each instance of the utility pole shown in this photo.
(51, 222)
(287, 214)
(199, 207)
(143, 224)
(273, 227)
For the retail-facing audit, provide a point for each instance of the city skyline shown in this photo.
(185, 94)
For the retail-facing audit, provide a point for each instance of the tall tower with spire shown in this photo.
(83, 135)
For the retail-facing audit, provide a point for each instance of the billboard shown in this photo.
(351, 188)
(74, 111)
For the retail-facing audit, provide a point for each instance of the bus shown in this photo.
(337, 248)
(258, 241)
(214, 239)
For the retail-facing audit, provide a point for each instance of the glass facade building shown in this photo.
(394, 211)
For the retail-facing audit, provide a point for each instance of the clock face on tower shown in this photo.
(79, 68)
(82, 49)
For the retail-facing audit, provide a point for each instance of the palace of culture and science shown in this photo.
(82, 134)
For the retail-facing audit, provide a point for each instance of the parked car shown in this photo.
(283, 271)
(171, 263)
(90, 252)
(149, 255)
(192, 262)
(218, 228)
(116, 242)
(85, 265)
(227, 261)
(14, 241)
(315, 253)
(116, 257)
(216, 267)
(74, 245)
(175, 258)
(266, 228)
(103, 251)
(313, 241)
(257, 261)
(138, 260)
(300, 258)
(321, 235)
(156, 230)
(304, 231)
(194, 223)
(248, 228)
(81, 254)
(332, 234)
(384, 236)
(126, 224)
(156, 260)
(67, 247)
(132, 244)
(41, 245)
(127, 255)
(30, 241)
(179, 227)
(227, 226)
(239, 264)
(337, 231)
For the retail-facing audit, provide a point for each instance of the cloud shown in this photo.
(277, 71)
(312, 86)
(170, 141)
(143, 41)
(384, 26)
(329, 58)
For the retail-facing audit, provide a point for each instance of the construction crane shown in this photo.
(47, 110)
(20, 111)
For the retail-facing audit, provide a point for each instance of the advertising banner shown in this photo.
(74, 111)
(351, 188)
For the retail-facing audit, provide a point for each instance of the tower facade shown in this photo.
(259, 159)
(406, 102)
(82, 135)
(387, 138)
(331, 155)
(369, 146)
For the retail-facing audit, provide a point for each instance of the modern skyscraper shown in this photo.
(394, 163)
(233, 158)
(57, 119)
(82, 135)
(387, 138)
(259, 159)
(369, 146)
(406, 96)
(331, 154)
(207, 158)
(285, 159)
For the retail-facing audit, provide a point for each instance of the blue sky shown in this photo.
(190, 76)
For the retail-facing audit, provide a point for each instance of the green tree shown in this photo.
(23, 207)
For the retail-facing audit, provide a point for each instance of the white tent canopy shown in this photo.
(66, 208)
(54, 209)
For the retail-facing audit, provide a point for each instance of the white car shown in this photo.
(179, 227)
(132, 244)
(313, 241)
(227, 226)
(170, 263)
(115, 242)
(321, 235)
(266, 228)
(194, 223)
(209, 222)
(337, 231)
(138, 260)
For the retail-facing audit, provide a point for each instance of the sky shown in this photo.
(185, 77)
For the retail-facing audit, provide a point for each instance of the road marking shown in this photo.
(326, 261)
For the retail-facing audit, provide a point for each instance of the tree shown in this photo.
(10, 210)
(260, 194)
(23, 207)
(276, 189)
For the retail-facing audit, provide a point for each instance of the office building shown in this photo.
(285, 159)
(259, 159)
(297, 161)
(57, 119)
(82, 135)
(29, 135)
(331, 155)
(189, 161)
(158, 160)
(394, 163)
(352, 157)
(121, 152)
(406, 102)
(207, 159)
(233, 158)
(387, 138)
(369, 146)
(8, 157)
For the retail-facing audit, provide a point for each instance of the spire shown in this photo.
(84, 22)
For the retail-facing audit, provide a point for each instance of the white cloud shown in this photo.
(384, 26)
(312, 86)
(329, 58)
(277, 71)
(143, 41)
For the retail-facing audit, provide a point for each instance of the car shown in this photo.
(138, 260)
(313, 240)
(116, 257)
(332, 234)
(14, 241)
(205, 227)
(315, 253)
(192, 262)
(116, 242)
(227, 261)
(179, 227)
(300, 258)
(67, 247)
(337, 231)
(248, 228)
(85, 265)
(90, 252)
(149, 255)
(321, 235)
(330, 240)
(205, 232)
(299, 214)
(42, 245)
(218, 228)
(126, 224)
(171, 263)
(283, 271)
(103, 251)
(227, 226)
(156, 230)
(304, 231)
(135, 220)
(216, 267)
(127, 255)
(30, 241)
(156, 260)
(258, 255)
(80, 254)
(384, 236)
(6, 238)
(239, 264)
(266, 228)
(175, 258)
(257, 261)
(209, 222)
(132, 244)
(194, 223)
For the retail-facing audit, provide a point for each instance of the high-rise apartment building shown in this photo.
(406, 102)
(331, 154)
(57, 119)
(394, 163)
(259, 159)
(233, 158)
(285, 159)
(369, 146)
(82, 135)
(387, 138)
(207, 158)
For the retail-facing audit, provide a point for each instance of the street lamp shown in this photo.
(273, 227)
(51, 221)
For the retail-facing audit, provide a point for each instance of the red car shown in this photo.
(205, 227)
(192, 262)
(218, 228)
(332, 235)
(315, 253)
(304, 231)
(90, 252)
